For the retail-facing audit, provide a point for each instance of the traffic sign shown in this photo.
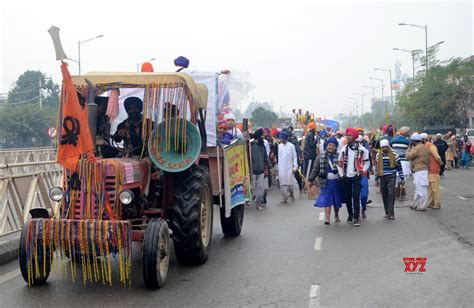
(52, 132)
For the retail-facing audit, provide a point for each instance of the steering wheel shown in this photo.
(123, 151)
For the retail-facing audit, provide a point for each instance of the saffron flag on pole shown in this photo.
(75, 137)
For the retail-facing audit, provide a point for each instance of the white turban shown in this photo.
(384, 143)
(229, 116)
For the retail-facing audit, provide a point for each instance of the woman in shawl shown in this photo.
(326, 171)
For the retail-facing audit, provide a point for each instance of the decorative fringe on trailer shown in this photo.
(90, 243)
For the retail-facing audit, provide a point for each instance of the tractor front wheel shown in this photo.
(35, 260)
(192, 215)
(156, 253)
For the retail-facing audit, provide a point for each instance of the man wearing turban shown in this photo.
(182, 64)
(230, 121)
(130, 130)
(287, 166)
(260, 161)
(353, 161)
(310, 143)
(400, 144)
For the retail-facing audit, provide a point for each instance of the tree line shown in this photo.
(439, 97)
(23, 122)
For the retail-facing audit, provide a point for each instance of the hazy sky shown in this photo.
(300, 54)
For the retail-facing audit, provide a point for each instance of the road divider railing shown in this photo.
(24, 186)
(24, 155)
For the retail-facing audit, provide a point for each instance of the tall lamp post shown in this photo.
(391, 88)
(382, 86)
(425, 28)
(413, 55)
(138, 64)
(373, 93)
(79, 43)
(361, 102)
(355, 105)
(381, 81)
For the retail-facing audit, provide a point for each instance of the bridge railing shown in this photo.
(24, 155)
(24, 186)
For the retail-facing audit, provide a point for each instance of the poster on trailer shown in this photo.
(236, 175)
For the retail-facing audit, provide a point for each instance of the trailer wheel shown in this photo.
(156, 253)
(42, 267)
(192, 215)
(232, 226)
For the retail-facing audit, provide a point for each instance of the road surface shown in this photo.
(287, 257)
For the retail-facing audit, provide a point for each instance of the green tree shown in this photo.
(254, 105)
(238, 115)
(26, 125)
(22, 122)
(439, 98)
(27, 89)
(263, 117)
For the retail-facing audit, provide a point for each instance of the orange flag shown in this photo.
(75, 138)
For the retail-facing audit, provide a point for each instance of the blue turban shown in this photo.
(284, 134)
(331, 140)
(181, 61)
(323, 133)
(390, 130)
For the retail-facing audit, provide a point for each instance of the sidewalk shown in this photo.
(9, 247)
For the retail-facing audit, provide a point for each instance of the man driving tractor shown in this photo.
(130, 130)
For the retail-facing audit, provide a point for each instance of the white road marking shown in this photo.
(441, 187)
(321, 216)
(314, 296)
(10, 275)
(462, 198)
(317, 243)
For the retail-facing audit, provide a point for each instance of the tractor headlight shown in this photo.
(56, 194)
(126, 197)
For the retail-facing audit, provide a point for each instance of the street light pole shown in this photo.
(413, 53)
(79, 43)
(355, 104)
(391, 88)
(361, 102)
(382, 85)
(79, 56)
(425, 28)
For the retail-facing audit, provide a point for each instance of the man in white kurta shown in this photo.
(287, 166)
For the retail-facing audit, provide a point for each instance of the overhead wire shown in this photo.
(8, 93)
(19, 103)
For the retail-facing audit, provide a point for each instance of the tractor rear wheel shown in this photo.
(39, 271)
(156, 253)
(232, 226)
(192, 215)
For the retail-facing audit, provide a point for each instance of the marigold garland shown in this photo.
(89, 243)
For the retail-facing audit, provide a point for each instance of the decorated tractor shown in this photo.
(136, 168)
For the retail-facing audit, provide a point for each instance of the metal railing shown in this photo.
(23, 186)
(24, 155)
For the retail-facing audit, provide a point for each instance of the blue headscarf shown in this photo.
(181, 61)
(331, 140)
(323, 133)
(284, 135)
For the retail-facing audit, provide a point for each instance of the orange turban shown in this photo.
(311, 125)
(147, 67)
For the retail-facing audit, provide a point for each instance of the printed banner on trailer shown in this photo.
(236, 174)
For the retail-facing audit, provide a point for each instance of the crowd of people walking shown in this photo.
(340, 164)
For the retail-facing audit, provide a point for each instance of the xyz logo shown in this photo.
(412, 264)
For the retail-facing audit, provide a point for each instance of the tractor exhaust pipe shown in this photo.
(92, 111)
